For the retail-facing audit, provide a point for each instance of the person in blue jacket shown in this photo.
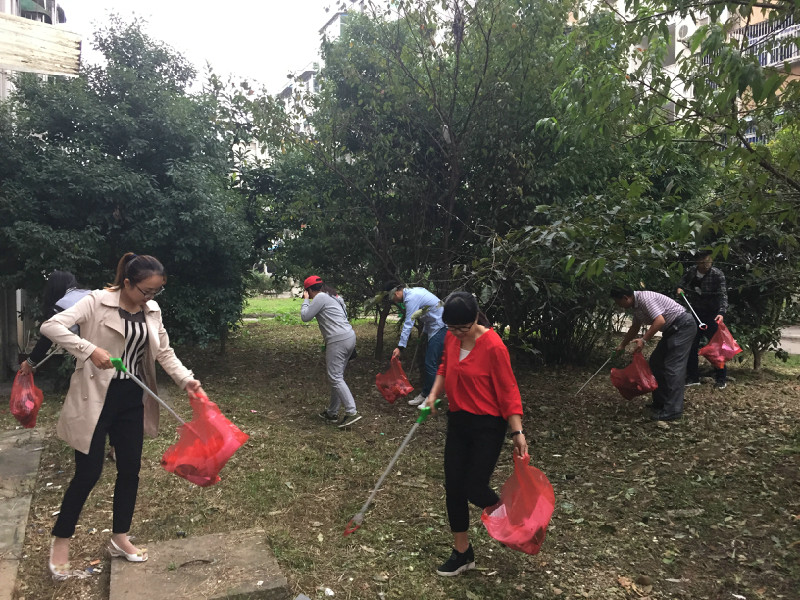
(423, 305)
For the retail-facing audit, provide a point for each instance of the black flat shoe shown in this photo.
(672, 417)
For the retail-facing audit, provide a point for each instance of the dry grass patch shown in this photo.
(706, 508)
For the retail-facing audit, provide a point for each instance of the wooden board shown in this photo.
(34, 47)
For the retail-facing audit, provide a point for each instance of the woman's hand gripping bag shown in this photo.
(526, 504)
(393, 384)
(26, 400)
(205, 445)
(635, 379)
(721, 348)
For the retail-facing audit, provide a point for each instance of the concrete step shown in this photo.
(234, 565)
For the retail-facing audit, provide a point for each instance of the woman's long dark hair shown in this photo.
(331, 291)
(57, 285)
(136, 267)
(461, 308)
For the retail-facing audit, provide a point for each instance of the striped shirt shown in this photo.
(647, 306)
(135, 342)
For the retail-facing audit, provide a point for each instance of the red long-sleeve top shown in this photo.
(482, 383)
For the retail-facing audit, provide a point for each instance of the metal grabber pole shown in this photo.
(700, 324)
(120, 366)
(615, 353)
(356, 521)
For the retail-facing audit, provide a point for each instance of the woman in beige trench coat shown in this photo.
(123, 321)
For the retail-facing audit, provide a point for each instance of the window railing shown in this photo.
(759, 30)
(777, 48)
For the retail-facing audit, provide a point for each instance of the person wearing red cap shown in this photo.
(340, 342)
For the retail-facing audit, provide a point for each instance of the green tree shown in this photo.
(740, 196)
(436, 129)
(123, 158)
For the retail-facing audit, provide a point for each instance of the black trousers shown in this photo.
(668, 363)
(122, 420)
(471, 451)
(693, 367)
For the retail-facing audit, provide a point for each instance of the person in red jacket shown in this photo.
(484, 401)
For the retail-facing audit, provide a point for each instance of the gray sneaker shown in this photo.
(348, 420)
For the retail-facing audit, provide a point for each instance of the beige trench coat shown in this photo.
(97, 314)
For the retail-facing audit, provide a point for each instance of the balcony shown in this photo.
(774, 42)
(759, 30)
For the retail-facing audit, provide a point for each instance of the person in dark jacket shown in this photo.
(705, 288)
(59, 285)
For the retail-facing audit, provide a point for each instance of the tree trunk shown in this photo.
(758, 354)
(9, 352)
(223, 340)
(385, 309)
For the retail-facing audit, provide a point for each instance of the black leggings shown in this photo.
(471, 451)
(122, 419)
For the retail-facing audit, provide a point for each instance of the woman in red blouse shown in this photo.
(484, 401)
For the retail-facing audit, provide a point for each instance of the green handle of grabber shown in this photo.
(118, 365)
(426, 410)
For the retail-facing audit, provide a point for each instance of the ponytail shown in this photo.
(136, 268)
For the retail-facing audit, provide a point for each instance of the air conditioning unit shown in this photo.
(683, 33)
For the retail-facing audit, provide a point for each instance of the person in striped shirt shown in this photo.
(122, 320)
(669, 358)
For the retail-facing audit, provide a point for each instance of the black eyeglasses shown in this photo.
(459, 328)
(149, 294)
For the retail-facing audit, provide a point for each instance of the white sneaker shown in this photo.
(418, 400)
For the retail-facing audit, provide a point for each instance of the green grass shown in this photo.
(264, 304)
(284, 310)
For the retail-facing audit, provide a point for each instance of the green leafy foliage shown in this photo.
(123, 158)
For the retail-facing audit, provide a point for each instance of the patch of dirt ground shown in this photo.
(706, 508)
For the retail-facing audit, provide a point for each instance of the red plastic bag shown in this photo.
(721, 348)
(205, 445)
(393, 384)
(526, 504)
(26, 400)
(635, 379)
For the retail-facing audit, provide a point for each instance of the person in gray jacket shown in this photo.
(340, 341)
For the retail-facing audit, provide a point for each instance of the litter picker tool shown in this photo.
(603, 366)
(205, 444)
(120, 366)
(49, 355)
(700, 324)
(355, 522)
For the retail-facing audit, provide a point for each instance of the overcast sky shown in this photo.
(261, 40)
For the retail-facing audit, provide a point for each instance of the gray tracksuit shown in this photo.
(340, 340)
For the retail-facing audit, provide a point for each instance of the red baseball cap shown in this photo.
(313, 280)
